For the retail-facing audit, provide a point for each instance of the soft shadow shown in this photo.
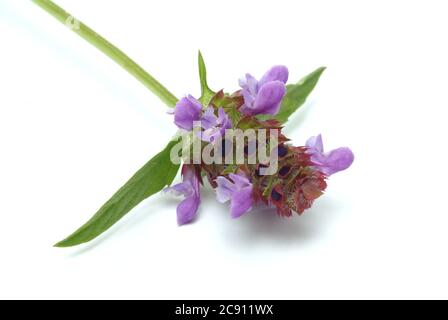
(260, 227)
(263, 225)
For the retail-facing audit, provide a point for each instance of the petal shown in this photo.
(212, 134)
(189, 174)
(187, 209)
(224, 190)
(241, 202)
(276, 73)
(269, 98)
(315, 143)
(222, 116)
(249, 101)
(187, 110)
(183, 188)
(209, 119)
(239, 180)
(249, 83)
(338, 160)
(222, 131)
(224, 120)
(214, 126)
(249, 92)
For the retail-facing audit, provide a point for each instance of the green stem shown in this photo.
(108, 49)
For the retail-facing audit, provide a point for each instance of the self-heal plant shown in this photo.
(263, 168)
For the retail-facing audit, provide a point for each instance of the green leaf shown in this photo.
(296, 95)
(206, 93)
(153, 177)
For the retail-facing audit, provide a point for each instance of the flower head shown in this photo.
(189, 188)
(237, 189)
(264, 96)
(328, 162)
(301, 171)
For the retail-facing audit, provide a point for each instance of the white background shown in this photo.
(74, 127)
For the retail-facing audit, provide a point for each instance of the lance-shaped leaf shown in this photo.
(296, 94)
(206, 93)
(151, 178)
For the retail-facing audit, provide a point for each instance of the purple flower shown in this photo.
(214, 126)
(328, 162)
(264, 96)
(187, 110)
(238, 190)
(189, 188)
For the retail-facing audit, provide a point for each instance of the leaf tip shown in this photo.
(201, 59)
(61, 244)
(71, 241)
(321, 69)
